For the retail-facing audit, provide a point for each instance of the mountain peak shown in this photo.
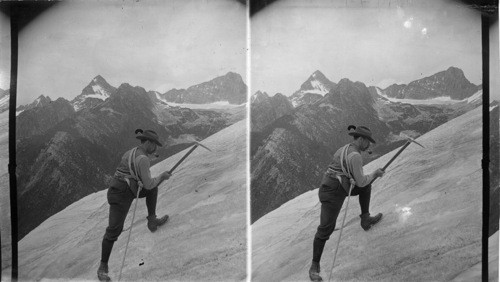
(96, 91)
(99, 79)
(345, 81)
(318, 75)
(42, 100)
(259, 96)
(230, 73)
(454, 69)
(456, 73)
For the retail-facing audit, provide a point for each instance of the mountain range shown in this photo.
(69, 149)
(290, 152)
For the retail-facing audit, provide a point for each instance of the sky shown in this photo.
(380, 43)
(161, 45)
(4, 52)
(158, 45)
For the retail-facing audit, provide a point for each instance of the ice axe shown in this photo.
(187, 154)
(408, 142)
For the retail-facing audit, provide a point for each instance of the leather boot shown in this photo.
(368, 221)
(314, 272)
(102, 272)
(154, 222)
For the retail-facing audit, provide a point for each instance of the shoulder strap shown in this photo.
(345, 169)
(133, 172)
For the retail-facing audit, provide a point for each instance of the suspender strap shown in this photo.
(133, 172)
(345, 169)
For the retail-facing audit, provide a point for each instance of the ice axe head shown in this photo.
(409, 139)
(201, 145)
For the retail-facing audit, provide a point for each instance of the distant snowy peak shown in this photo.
(317, 83)
(316, 86)
(259, 97)
(95, 92)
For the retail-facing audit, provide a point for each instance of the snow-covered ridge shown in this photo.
(438, 100)
(214, 105)
(100, 93)
(319, 88)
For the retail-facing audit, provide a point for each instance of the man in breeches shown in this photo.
(347, 166)
(132, 172)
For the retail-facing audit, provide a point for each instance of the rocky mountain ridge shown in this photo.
(449, 83)
(266, 109)
(41, 101)
(229, 87)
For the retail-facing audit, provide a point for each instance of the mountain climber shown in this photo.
(132, 171)
(347, 165)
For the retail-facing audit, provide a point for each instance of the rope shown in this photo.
(340, 235)
(129, 233)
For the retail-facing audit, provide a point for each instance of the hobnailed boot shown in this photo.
(314, 272)
(368, 221)
(102, 272)
(154, 222)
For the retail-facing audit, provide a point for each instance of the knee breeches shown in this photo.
(332, 198)
(120, 198)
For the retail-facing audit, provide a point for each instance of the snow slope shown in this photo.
(431, 231)
(204, 240)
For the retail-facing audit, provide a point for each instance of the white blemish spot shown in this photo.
(407, 24)
(404, 213)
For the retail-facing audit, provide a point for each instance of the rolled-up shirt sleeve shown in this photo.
(356, 166)
(145, 173)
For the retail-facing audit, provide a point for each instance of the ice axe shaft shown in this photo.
(187, 154)
(410, 140)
